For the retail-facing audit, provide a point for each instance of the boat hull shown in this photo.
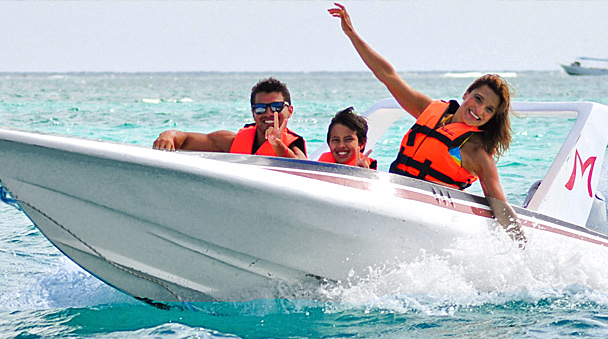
(167, 226)
(579, 70)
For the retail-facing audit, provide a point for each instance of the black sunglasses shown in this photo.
(274, 107)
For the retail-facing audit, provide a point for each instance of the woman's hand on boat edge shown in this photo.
(516, 233)
(507, 218)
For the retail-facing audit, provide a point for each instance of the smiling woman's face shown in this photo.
(478, 107)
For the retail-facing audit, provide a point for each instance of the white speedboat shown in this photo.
(187, 226)
(587, 66)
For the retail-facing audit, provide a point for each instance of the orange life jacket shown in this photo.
(424, 152)
(328, 157)
(245, 137)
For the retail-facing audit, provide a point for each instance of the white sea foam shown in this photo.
(158, 101)
(70, 286)
(478, 270)
(63, 284)
(151, 101)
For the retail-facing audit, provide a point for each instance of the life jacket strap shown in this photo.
(424, 169)
(427, 131)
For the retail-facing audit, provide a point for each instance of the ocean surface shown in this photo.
(475, 291)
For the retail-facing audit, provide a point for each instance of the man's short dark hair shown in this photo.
(268, 86)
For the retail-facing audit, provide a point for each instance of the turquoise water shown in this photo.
(478, 289)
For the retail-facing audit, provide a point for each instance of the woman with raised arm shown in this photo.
(452, 144)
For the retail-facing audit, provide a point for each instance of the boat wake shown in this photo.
(476, 271)
(64, 285)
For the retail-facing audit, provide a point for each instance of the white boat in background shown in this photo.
(587, 66)
(196, 227)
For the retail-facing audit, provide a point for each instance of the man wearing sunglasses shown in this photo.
(269, 135)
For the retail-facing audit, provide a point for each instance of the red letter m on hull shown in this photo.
(589, 162)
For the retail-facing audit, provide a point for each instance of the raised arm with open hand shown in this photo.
(477, 131)
(411, 100)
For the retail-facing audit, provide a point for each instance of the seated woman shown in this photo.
(346, 138)
(475, 132)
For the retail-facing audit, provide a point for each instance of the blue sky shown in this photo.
(133, 36)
